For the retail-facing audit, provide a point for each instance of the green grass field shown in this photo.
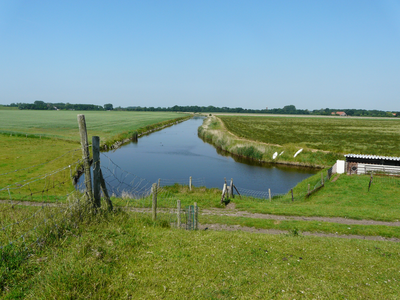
(127, 256)
(36, 138)
(339, 135)
(64, 125)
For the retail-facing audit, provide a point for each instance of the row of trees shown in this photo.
(288, 109)
(41, 105)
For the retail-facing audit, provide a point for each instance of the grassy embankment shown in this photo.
(34, 138)
(127, 256)
(323, 140)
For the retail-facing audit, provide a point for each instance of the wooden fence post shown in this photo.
(269, 194)
(96, 170)
(190, 183)
(179, 213)
(231, 189)
(85, 156)
(196, 212)
(223, 193)
(154, 204)
(105, 192)
(292, 194)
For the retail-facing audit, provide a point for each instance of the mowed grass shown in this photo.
(339, 135)
(64, 125)
(127, 256)
(347, 197)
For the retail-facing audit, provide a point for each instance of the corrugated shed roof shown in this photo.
(363, 156)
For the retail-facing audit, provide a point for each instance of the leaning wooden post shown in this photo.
(96, 170)
(85, 156)
(223, 193)
(269, 194)
(190, 183)
(154, 205)
(105, 192)
(196, 212)
(179, 213)
(292, 194)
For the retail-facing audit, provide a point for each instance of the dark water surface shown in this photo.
(176, 153)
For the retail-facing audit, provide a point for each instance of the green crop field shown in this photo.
(339, 135)
(63, 124)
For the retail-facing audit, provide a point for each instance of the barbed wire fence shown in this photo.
(134, 193)
(33, 208)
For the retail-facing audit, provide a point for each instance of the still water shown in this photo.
(176, 153)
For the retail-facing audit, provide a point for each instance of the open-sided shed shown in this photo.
(362, 164)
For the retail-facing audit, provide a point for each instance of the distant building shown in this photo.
(339, 113)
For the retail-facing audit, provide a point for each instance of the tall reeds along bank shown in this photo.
(214, 132)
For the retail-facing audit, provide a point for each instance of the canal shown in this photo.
(176, 153)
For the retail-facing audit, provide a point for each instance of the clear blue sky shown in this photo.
(251, 54)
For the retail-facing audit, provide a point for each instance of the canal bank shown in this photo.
(213, 131)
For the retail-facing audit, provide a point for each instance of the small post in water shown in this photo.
(190, 183)
(269, 194)
(159, 180)
(154, 204)
(231, 189)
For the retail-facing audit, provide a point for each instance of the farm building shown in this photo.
(363, 164)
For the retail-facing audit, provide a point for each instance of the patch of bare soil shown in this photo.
(305, 233)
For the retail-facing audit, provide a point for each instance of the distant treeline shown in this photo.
(41, 105)
(288, 109)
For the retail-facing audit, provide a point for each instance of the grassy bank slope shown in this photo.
(126, 256)
(214, 131)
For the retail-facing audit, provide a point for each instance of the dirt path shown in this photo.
(238, 213)
(232, 212)
(305, 233)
